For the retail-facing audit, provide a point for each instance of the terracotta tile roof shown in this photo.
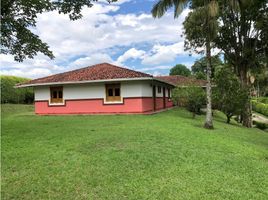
(95, 72)
(182, 80)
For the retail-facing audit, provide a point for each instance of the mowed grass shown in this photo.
(163, 156)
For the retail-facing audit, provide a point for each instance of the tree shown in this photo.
(200, 75)
(18, 18)
(180, 69)
(200, 66)
(243, 37)
(228, 95)
(201, 27)
(203, 19)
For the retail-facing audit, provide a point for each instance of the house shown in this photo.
(101, 88)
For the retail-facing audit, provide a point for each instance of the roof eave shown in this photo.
(81, 82)
(92, 81)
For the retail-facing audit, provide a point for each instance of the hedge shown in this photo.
(9, 94)
(263, 100)
(260, 107)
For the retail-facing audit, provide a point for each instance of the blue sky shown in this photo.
(122, 33)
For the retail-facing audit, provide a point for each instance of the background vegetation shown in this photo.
(9, 94)
(260, 107)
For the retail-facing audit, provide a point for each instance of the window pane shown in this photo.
(117, 92)
(54, 96)
(60, 94)
(110, 92)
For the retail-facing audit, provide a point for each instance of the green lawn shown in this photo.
(163, 156)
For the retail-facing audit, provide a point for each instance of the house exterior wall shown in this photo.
(90, 99)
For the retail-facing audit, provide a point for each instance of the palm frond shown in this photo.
(179, 6)
(161, 7)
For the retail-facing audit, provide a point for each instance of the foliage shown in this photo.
(180, 69)
(179, 96)
(260, 107)
(9, 94)
(200, 75)
(201, 26)
(162, 6)
(192, 97)
(196, 99)
(260, 84)
(199, 68)
(18, 19)
(243, 39)
(263, 100)
(228, 95)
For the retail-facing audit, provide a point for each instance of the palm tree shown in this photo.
(161, 7)
(211, 9)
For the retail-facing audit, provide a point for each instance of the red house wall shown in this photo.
(97, 106)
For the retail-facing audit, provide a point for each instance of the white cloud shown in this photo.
(164, 53)
(188, 64)
(91, 39)
(130, 54)
(91, 60)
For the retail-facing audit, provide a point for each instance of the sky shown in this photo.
(122, 33)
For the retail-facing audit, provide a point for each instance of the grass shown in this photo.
(164, 156)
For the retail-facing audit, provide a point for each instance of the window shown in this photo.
(168, 92)
(113, 93)
(159, 89)
(56, 94)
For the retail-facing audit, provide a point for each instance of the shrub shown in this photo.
(191, 97)
(179, 96)
(263, 100)
(260, 107)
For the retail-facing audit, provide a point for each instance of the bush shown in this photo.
(9, 94)
(260, 107)
(191, 97)
(263, 100)
(179, 96)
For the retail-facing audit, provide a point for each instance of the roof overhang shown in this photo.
(91, 81)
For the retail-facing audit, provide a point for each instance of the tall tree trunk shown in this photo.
(208, 123)
(247, 111)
